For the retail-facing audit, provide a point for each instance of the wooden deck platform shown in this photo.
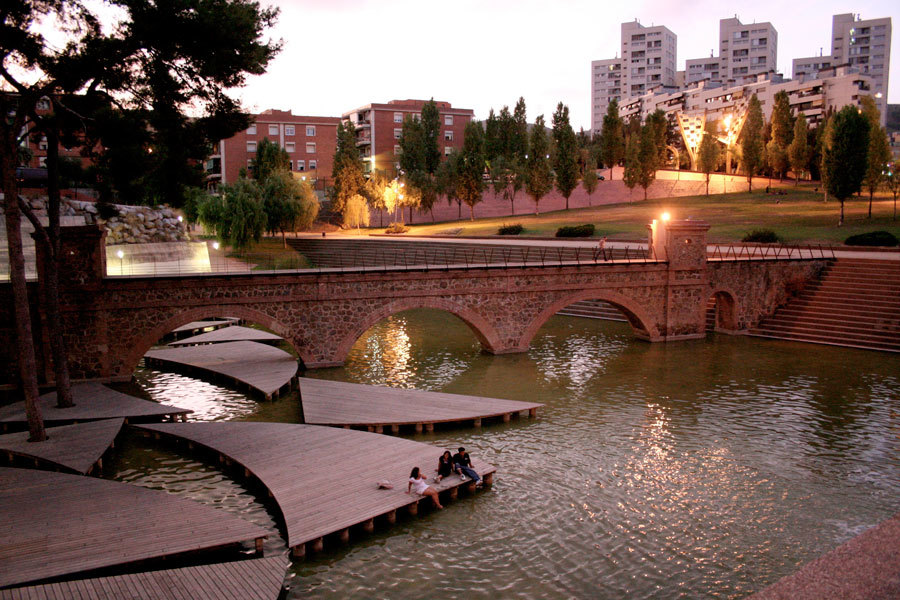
(259, 368)
(72, 448)
(93, 401)
(324, 479)
(53, 524)
(235, 333)
(342, 404)
(259, 579)
(197, 327)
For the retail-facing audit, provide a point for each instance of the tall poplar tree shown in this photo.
(752, 141)
(470, 181)
(519, 135)
(431, 132)
(798, 151)
(538, 175)
(709, 155)
(648, 157)
(565, 157)
(845, 154)
(782, 134)
(879, 150)
(612, 137)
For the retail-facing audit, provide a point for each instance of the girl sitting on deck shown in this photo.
(418, 480)
(445, 466)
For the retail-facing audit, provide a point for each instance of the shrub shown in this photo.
(873, 238)
(515, 229)
(575, 231)
(396, 228)
(105, 210)
(762, 236)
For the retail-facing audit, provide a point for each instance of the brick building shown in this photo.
(378, 128)
(37, 145)
(309, 141)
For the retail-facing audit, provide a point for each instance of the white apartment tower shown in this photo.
(647, 63)
(862, 44)
(745, 51)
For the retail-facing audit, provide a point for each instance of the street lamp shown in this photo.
(121, 255)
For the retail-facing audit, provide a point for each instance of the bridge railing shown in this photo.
(735, 252)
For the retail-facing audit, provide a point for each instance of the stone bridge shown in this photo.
(110, 322)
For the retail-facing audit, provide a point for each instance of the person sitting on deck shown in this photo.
(418, 480)
(462, 464)
(445, 466)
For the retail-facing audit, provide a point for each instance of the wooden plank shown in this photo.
(93, 401)
(324, 479)
(72, 447)
(53, 524)
(235, 333)
(263, 368)
(340, 404)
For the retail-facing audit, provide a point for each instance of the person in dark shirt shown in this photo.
(462, 464)
(445, 466)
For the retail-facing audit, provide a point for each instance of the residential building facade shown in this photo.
(378, 128)
(310, 143)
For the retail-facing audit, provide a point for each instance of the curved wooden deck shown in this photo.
(259, 579)
(235, 333)
(53, 524)
(75, 448)
(259, 368)
(93, 401)
(342, 404)
(323, 479)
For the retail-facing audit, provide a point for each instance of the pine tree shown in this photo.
(752, 141)
(798, 151)
(565, 157)
(538, 175)
(612, 142)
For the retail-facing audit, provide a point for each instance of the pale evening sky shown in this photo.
(342, 54)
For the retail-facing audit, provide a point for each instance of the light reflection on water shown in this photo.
(698, 469)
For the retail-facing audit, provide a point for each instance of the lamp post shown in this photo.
(121, 256)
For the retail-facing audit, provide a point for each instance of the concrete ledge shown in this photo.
(865, 568)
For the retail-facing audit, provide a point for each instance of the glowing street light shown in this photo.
(665, 216)
(121, 255)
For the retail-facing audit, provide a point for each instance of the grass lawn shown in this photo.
(269, 254)
(798, 216)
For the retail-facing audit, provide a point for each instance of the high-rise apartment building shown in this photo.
(745, 51)
(647, 63)
(862, 44)
(378, 128)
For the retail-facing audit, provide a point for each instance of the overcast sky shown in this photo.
(342, 54)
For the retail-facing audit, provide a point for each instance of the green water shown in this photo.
(691, 470)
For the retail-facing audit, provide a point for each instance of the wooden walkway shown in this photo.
(53, 524)
(196, 327)
(92, 401)
(74, 448)
(259, 368)
(324, 479)
(236, 333)
(342, 404)
(259, 579)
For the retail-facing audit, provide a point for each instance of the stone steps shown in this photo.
(593, 309)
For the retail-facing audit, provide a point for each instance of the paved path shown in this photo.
(259, 367)
(75, 448)
(348, 404)
(53, 524)
(92, 401)
(324, 479)
(259, 579)
(235, 333)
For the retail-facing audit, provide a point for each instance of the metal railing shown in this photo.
(732, 252)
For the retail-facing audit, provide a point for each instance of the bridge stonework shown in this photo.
(111, 322)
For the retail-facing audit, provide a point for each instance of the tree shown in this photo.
(447, 179)
(346, 157)
(470, 182)
(507, 179)
(565, 158)
(374, 192)
(236, 216)
(356, 212)
(270, 157)
(659, 125)
(612, 141)
(538, 176)
(752, 141)
(798, 150)
(709, 155)
(782, 135)
(631, 173)
(289, 204)
(518, 139)
(892, 179)
(431, 131)
(877, 159)
(424, 186)
(589, 181)
(845, 154)
(493, 139)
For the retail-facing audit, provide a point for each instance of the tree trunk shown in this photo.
(459, 209)
(707, 184)
(841, 222)
(472, 212)
(410, 214)
(24, 339)
(870, 204)
(431, 210)
(51, 272)
(567, 203)
(749, 184)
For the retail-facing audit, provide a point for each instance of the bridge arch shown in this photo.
(637, 315)
(727, 309)
(483, 330)
(145, 340)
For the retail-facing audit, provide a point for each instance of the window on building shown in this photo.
(43, 104)
(448, 135)
(42, 161)
(291, 164)
(310, 147)
(273, 129)
(301, 165)
(289, 146)
(310, 131)
(42, 145)
(448, 119)
(312, 165)
(289, 130)
(397, 133)
(251, 130)
(251, 146)
(398, 117)
(396, 150)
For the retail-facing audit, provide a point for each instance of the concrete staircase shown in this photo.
(593, 309)
(856, 303)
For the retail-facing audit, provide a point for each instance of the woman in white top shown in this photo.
(417, 480)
